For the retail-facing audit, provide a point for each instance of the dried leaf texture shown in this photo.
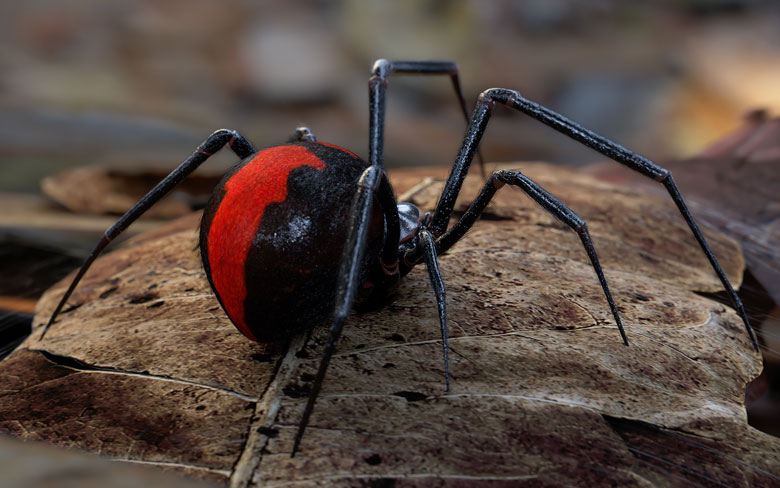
(36, 465)
(145, 366)
(98, 190)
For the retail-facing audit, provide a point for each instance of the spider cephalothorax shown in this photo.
(296, 234)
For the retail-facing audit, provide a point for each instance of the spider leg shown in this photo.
(302, 134)
(377, 91)
(377, 86)
(549, 203)
(373, 182)
(512, 99)
(429, 248)
(207, 148)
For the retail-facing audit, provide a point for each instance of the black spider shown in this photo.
(282, 255)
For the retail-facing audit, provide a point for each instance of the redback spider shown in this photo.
(283, 254)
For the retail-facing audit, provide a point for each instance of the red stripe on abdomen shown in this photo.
(261, 182)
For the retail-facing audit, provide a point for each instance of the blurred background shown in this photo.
(136, 85)
(141, 82)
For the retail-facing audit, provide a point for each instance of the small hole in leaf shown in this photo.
(373, 460)
(146, 297)
(307, 377)
(411, 396)
(268, 432)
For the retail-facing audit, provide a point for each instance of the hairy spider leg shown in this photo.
(549, 203)
(383, 68)
(512, 99)
(206, 149)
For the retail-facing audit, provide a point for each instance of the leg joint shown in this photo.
(381, 69)
(370, 178)
(304, 134)
(391, 269)
(216, 141)
(500, 178)
(499, 95)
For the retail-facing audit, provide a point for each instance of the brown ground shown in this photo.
(145, 365)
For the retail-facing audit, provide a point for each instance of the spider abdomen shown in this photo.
(272, 236)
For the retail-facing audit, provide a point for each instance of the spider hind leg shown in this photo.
(486, 103)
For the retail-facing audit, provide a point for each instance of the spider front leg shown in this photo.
(372, 184)
(206, 149)
(428, 246)
(512, 99)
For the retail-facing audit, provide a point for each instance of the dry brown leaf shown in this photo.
(146, 366)
(100, 190)
(37, 465)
